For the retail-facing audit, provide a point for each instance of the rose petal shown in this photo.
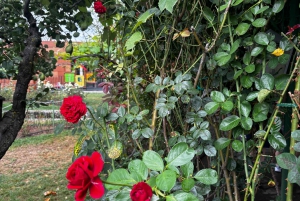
(96, 188)
(80, 194)
(98, 163)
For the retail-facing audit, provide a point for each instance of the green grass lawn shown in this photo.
(91, 99)
(34, 165)
(27, 180)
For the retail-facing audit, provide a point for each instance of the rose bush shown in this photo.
(194, 86)
(73, 108)
(83, 176)
(141, 192)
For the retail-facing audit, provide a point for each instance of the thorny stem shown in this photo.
(154, 115)
(267, 132)
(294, 126)
(165, 134)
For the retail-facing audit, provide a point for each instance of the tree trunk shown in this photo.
(12, 121)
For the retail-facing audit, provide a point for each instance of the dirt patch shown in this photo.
(29, 158)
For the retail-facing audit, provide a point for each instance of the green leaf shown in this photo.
(220, 55)
(263, 9)
(260, 134)
(286, 161)
(260, 112)
(225, 47)
(122, 195)
(145, 16)
(187, 169)
(294, 175)
(227, 106)
(237, 2)
(224, 60)
(261, 38)
(259, 22)
(211, 107)
(134, 38)
(185, 197)
(208, 14)
(138, 167)
(256, 51)
(262, 94)
(278, 6)
(235, 46)
(277, 141)
(237, 74)
(245, 108)
(180, 154)
(296, 135)
(250, 68)
(231, 164)
(242, 29)
(188, 184)
(203, 133)
(248, 16)
(153, 160)
(121, 111)
(147, 132)
(267, 81)
(247, 58)
(237, 145)
(252, 95)
(297, 147)
(136, 134)
(120, 176)
(217, 96)
(167, 4)
(246, 123)
(222, 143)
(283, 59)
(273, 62)
(281, 81)
(229, 123)
(255, 10)
(166, 180)
(210, 150)
(207, 176)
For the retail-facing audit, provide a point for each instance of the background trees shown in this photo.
(23, 24)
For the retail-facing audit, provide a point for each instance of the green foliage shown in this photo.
(187, 81)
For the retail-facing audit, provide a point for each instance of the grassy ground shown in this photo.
(91, 99)
(34, 165)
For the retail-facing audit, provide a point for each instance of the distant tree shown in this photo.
(23, 23)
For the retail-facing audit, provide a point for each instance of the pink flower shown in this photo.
(99, 8)
(83, 176)
(292, 29)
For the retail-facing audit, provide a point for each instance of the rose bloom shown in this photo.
(73, 108)
(99, 8)
(278, 52)
(141, 192)
(83, 176)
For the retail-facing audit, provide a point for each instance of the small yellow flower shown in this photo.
(271, 183)
(278, 52)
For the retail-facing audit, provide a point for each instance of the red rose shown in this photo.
(141, 192)
(83, 176)
(73, 108)
(99, 8)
